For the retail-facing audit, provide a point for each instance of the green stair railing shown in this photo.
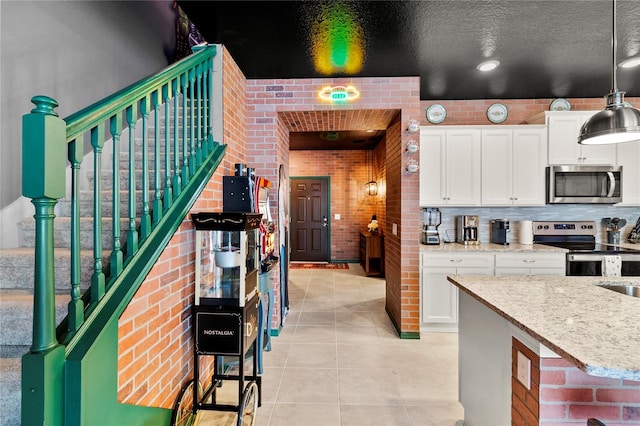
(167, 116)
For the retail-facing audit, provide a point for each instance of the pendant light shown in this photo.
(617, 122)
(372, 186)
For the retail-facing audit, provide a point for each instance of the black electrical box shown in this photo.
(237, 194)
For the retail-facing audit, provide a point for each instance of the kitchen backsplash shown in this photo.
(574, 212)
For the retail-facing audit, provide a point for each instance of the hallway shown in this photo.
(338, 361)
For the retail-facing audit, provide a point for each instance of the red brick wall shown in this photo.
(348, 172)
(155, 348)
(524, 402)
(271, 113)
(474, 112)
(569, 396)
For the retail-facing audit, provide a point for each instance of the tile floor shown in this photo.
(338, 361)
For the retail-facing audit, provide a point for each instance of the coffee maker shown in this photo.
(467, 229)
(431, 219)
(500, 231)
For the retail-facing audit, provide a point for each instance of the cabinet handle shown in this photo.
(455, 260)
(529, 261)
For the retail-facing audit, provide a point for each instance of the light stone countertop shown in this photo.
(490, 248)
(596, 329)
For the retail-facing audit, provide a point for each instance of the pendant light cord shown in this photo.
(614, 43)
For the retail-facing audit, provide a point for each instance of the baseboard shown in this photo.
(415, 335)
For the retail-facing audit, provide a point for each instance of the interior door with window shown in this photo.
(309, 219)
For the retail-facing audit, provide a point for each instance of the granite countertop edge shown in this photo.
(557, 325)
(490, 248)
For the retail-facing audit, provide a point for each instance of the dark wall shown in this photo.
(76, 52)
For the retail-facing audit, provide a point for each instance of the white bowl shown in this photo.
(228, 259)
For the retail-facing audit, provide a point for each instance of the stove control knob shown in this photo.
(546, 227)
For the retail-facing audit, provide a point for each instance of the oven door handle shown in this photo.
(612, 184)
(585, 257)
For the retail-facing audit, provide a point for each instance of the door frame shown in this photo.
(328, 179)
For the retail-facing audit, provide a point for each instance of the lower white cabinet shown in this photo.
(439, 298)
(530, 264)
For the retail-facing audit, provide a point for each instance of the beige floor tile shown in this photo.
(354, 318)
(309, 385)
(374, 415)
(315, 334)
(353, 335)
(318, 305)
(317, 318)
(313, 355)
(450, 414)
(398, 355)
(305, 415)
(360, 386)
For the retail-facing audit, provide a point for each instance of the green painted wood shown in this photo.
(157, 200)
(117, 258)
(43, 387)
(198, 115)
(177, 179)
(168, 192)
(145, 221)
(192, 142)
(92, 352)
(97, 278)
(75, 306)
(132, 234)
(185, 149)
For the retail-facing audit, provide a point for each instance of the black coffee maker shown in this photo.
(500, 231)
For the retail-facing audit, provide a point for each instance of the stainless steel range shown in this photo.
(586, 257)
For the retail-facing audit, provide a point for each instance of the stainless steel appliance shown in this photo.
(431, 219)
(500, 231)
(586, 257)
(467, 229)
(576, 184)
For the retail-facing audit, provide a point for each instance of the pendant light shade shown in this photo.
(616, 123)
(371, 187)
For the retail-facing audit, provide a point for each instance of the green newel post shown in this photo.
(44, 151)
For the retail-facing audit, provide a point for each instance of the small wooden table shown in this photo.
(372, 253)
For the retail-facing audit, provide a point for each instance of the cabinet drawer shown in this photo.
(457, 260)
(530, 260)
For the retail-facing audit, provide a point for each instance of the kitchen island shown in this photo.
(548, 349)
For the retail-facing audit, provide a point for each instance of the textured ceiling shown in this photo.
(547, 48)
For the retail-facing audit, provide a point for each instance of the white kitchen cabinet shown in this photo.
(563, 130)
(552, 264)
(513, 165)
(450, 166)
(439, 298)
(629, 158)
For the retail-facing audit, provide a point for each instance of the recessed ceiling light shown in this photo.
(630, 63)
(488, 66)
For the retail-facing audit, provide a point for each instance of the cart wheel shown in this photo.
(249, 406)
(183, 413)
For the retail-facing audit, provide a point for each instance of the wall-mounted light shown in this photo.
(630, 63)
(413, 126)
(412, 146)
(617, 122)
(338, 94)
(371, 187)
(412, 166)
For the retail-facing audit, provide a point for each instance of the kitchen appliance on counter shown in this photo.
(586, 257)
(500, 231)
(584, 184)
(467, 229)
(431, 219)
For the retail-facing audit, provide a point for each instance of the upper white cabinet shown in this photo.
(629, 158)
(450, 166)
(513, 165)
(563, 130)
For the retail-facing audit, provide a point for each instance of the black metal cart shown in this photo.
(225, 316)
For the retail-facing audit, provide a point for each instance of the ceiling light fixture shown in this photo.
(630, 63)
(616, 123)
(488, 66)
(372, 186)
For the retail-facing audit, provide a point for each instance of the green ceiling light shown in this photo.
(616, 123)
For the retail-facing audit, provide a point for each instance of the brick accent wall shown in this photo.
(569, 396)
(348, 172)
(155, 347)
(524, 402)
(272, 112)
(474, 112)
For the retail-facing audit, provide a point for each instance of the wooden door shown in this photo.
(309, 219)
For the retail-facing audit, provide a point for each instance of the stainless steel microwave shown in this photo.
(584, 184)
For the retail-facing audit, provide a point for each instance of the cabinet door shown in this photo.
(596, 154)
(529, 163)
(563, 130)
(439, 296)
(629, 158)
(462, 163)
(432, 143)
(497, 170)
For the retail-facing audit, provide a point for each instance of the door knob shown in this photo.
(325, 222)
